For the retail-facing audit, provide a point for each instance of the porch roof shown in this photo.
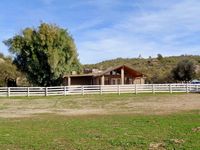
(79, 75)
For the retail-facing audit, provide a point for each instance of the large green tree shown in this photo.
(44, 54)
(184, 71)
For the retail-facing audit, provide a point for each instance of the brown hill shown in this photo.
(158, 70)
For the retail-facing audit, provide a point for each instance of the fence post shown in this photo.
(65, 92)
(170, 88)
(135, 88)
(187, 88)
(101, 89)
(197, 88)
(119, 89)
(8, 91)
(46, 91)
(82, 89)
(28, 94)
(153, 89)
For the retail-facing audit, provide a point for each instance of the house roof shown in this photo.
(130, 69)
(121, 66)
(79, 75)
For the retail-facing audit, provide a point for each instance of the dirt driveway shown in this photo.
(99, 104)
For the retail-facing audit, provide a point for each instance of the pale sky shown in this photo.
(107, 29)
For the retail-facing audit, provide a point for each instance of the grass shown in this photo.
(109, 102)
(73, 101)
(96, 96)
(100, 132)
(122, 128)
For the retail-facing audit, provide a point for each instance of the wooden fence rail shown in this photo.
(98, 89)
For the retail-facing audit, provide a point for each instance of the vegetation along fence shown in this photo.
(98, 89)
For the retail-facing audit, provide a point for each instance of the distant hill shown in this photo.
(157, 70)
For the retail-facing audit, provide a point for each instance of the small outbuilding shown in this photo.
(122, 74)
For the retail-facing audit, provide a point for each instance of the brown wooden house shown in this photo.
(122, 74)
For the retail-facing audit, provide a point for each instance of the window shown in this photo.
(119, 81)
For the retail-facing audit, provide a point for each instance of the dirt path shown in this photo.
(98, 105)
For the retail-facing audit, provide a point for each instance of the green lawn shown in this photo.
(49, 131)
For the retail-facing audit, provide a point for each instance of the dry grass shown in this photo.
(99, 104)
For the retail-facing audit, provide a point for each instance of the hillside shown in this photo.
(157, 70)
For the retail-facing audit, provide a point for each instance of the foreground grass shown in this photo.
(100, 132)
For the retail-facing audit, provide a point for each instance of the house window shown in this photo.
(113, 82)
(118, 81)
(130, 81)
(106, 81)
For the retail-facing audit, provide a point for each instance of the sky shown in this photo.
(108, 29)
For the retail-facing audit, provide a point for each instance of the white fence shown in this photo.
(98, 89)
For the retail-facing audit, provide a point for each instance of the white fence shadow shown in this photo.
(98, 89)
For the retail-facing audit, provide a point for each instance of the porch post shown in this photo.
(69, 81)
(122, 75)
(102, 80)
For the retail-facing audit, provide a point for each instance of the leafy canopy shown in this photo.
(159, 57)
(184, 71)
(7, 69)
(44, 54)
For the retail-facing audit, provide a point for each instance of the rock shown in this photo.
(157, 146)
(197, 129)
(177, 141)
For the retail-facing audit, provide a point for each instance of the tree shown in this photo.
(1, 55)
(159, 57)
(184, 71)
(7, 70)
(140, 56)
(44, 54)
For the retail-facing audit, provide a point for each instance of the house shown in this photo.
(122, 74)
